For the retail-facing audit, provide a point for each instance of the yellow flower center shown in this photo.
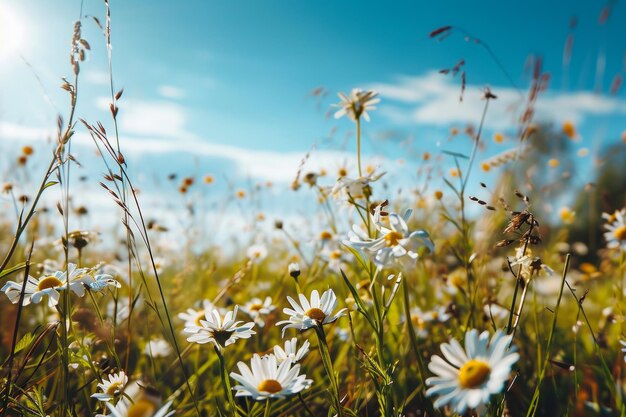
(335, 254)
(392, 238)
(141, 408)
(620, 233)
(474, 373)
(256, 307)
(315, 314)
(270, 385)
(48, 282)
(326, 235)
(200, 316)
(114, 388)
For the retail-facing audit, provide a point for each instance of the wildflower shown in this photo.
(615, 227)
(498, 138)
(158, 348)
(100, 282)
(318, 311)
(569, 129)
(294, 270)
(28, 150)
(220, 331)
(257, 252)
(471, 375)
(395, 242)
(623, 343)
(553, 163)
(192, 317)
(142, 407)
(112, 387)
(354, 189)
(291, 353)
(567, 215)
(357, 104)
(266, 378)
(49, 285)
(256, 308)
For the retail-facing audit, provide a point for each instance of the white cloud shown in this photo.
(149, 118)
(169, 91)
(14, 131)
(433, 99)
(97, 77)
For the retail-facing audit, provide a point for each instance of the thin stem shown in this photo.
(328, 367)
(358, 145)
(535, 399)
(226, 381)
(267, 408)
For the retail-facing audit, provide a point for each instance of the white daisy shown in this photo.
(142, 407)
(615, 227)
(220, 331)
(471, 375)
(158, 348)
(318, 311)
(266, 378)
(256, 308)
(112, 387)
(192, 317)
(396, 242)
(257, 252)
(357, 104)
(291, 353)
(623, 343)
(101, 281)
(49, 285)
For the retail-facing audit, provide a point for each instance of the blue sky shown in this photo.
(224, 87)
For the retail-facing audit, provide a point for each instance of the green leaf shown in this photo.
(50, 184)
(24, 342)
(13, 269)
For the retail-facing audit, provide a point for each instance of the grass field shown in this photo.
(452, 296)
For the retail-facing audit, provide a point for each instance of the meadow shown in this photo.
(454, 297)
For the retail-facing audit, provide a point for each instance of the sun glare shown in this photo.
(11, 31)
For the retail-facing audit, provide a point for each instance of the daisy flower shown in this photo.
(256, 308)
(357, 104)
(48, 285)
(615, 227)
(468, 377)
(396, 241)
(266, 378)
(192, 317)
(158, 348)
(291, 353)
(142, 407)
(221, 331)
(257, 253)
(318, 311)
(623, 343)
(101, 281)
(112, 387)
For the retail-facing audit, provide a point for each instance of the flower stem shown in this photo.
(358, 145)
(226, 381)
(328, 367)
(267, 408)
